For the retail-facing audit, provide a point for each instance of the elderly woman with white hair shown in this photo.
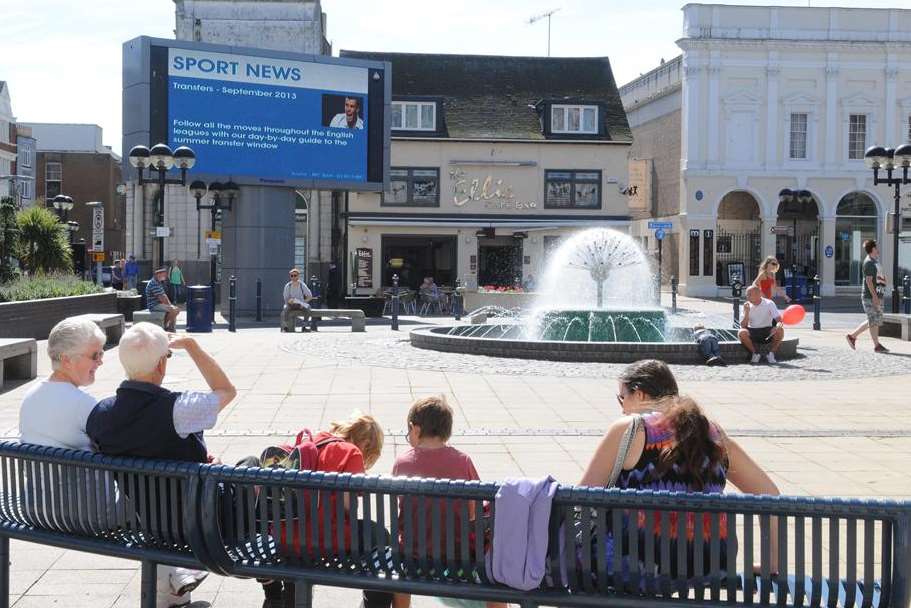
(55, 410)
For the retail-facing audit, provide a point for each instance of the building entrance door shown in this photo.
(500, 261)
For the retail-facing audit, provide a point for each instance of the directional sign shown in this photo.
(659, 234)
(98, 229)
(660, 225)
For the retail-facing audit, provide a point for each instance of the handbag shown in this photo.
(625, 444)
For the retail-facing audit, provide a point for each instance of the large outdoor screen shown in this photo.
(259, 117)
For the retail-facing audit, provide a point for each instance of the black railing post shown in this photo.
(674, 284)
(817, 304)
(259, 299)
(316, 290)
(794, 295)
(906, 294)
(395, 302)
(232, 304)
(4, 570)
(149, 580)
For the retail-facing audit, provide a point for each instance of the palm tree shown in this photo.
(44, 241)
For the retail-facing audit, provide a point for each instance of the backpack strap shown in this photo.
(324, 442)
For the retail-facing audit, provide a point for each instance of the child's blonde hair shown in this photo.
(363, 431)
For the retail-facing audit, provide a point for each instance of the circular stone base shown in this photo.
(438, 338)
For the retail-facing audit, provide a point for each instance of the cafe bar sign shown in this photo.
(492, 193)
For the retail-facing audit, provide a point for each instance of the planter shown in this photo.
(127, 305)
(36, 318)
(372, 307)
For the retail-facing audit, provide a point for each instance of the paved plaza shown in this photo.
(832, 422)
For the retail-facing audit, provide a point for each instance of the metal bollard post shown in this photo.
(395, 302)
(457, 300)
(794, 295)
(817, 304)
(259, 299)
(232, 304)
(906, 294)
(674, 284)
(316, 292)
(736, 290)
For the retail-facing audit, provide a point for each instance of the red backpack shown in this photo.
(302, 455)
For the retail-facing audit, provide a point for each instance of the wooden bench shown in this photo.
(358, 318)
(18, 359)
(112, 325)
(148, 316)
(896, 325)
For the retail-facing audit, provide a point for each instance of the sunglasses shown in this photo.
(295, 275)
(96, 356)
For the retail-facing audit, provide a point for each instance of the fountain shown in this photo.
(596, 303)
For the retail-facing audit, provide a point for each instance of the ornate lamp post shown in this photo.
(897, 160)
(223, 196)
(798, 198)
(63, 204)
(161, 159)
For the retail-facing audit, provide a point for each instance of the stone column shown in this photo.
(258, 242)
(827, 270)
(769, 239)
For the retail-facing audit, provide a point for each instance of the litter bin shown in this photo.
(143, 304)
(199, 309)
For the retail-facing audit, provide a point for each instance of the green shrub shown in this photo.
(43, 241)
(44, 286)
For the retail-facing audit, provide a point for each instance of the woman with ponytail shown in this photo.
(675, 448)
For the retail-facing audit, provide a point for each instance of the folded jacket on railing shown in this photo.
(521, 515)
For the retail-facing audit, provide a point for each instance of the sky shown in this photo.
(62, 59)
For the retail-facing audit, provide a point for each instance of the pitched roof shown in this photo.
(488, 97)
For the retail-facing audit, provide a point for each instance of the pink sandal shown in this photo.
(852, 341)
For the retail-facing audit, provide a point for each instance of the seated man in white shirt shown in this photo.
(296, 296)
(761, 324)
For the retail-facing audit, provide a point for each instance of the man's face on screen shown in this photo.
(351, 109)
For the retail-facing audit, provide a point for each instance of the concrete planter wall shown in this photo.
(35, 318)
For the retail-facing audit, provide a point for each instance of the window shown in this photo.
(857, 136)
(25, 157)
(25, 190)
(573, 119)
(572, 189)
(414, 115)
(909, 129)
(798, 136)
(53, 176)
(414, 187)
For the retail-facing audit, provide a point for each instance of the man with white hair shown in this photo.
(148, 421)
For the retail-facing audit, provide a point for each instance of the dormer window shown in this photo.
(574, 119)
(414, 116)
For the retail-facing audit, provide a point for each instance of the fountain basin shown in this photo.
(679, 347)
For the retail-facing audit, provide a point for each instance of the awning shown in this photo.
(517, 222)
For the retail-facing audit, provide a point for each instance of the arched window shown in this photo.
(855, 222)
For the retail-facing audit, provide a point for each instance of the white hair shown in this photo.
(70, 337)
(141, 347)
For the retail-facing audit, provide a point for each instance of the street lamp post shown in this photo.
(798, 198)
(63, 204)
(876, 158)
(223, 196)
(161, 159)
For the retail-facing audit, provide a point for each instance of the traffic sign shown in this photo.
(98, 229)
(98, 256)
(659, 234)
(660, 225)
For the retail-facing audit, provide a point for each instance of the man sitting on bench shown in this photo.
(296, 297)
(158, 299)
(761, 324)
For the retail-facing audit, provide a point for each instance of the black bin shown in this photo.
(143, 303)
(199, 309)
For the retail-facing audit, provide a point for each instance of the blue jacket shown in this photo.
(521, 516)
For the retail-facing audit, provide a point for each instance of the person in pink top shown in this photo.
(429, 428)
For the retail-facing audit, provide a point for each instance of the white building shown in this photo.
(762, 99)
(7, 140)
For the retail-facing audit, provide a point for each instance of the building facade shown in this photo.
(7, 142)
(26, 163)
(494, 161)
(269, 228)
(72, 159)
(763, 99)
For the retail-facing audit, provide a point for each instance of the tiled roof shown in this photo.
(489, 96)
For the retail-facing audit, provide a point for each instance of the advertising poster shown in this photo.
(276, 119)
(365, 268)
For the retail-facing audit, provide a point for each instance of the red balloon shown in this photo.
(793, 314)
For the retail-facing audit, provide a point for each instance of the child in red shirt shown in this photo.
(429, 428)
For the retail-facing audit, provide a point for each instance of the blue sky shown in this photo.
(62, 58)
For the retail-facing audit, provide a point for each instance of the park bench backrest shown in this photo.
(78, 493)
(831, 552)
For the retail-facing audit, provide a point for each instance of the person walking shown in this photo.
(874, 289)
(131, 272)
(175, 278)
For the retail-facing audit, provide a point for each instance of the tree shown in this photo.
(43, 242)
(9, 239)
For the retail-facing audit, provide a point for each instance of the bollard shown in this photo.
(817, 304)
(906, 294)
(316, 292)
(457, 300)
(259, 299)
(794, 295)
(232, 304)
(674, 284)
(395, 302)
(736, 289)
